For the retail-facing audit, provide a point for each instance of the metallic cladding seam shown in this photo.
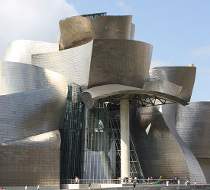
(183, 76)
(21, 50)
(83, 62)
(32, 161)
(169, 113)
(167, 155)
(117, 61)
(157, 148)
(193, 128)
(73, 63)
(32, 103)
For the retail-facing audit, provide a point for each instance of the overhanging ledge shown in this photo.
(115, 92)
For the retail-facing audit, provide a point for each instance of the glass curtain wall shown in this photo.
(90, 142)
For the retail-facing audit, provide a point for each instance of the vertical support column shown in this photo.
(124, 138)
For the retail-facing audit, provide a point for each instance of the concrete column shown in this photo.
(125, 138)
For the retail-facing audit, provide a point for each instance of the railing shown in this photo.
(148, 181)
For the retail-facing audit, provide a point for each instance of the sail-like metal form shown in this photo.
(193, 128)
(32, 103)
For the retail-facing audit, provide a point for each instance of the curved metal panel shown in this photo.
(161, 150)
(123, 62)
(112, 27)
(31, 161)
(75, 31)
(34, 102)
(19, 77)
(205, 165)
(193, 126)
(73, 63)
(169, 113)
(21, 50)
(163, 86)
(78, 30)
(158, 151)
(182, 76)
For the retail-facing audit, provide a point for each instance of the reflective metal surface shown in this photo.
(169, 113)
(157, 148)
(21, 50)
(112, 59)
(182, 76)
(31, 161)
(75, 31)
(32, 103)
(73, 63)
(79, 30)
(193, 126)
(112, 27)
(161, 150)
(32, 100)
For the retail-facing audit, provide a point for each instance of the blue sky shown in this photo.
(179, 31)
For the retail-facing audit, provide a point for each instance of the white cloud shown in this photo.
(31, 20)
(202, 52)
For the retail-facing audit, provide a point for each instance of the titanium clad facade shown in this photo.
(112, 27)
(75, 31)
(161, 151)
(182, 76)
(73, 63)
(79, 30)
(193, 123)
(32, 101)
(112, 59)
(169, 113)
(21, 50)
(31, 161)
(193, 127)
(157, 148)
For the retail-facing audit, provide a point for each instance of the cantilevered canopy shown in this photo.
(146, 97)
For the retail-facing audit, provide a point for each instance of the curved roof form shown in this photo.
(182, 76)
(21, 50)
(78, 29)
(117, 91)
(123, 62)
(32, 101)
